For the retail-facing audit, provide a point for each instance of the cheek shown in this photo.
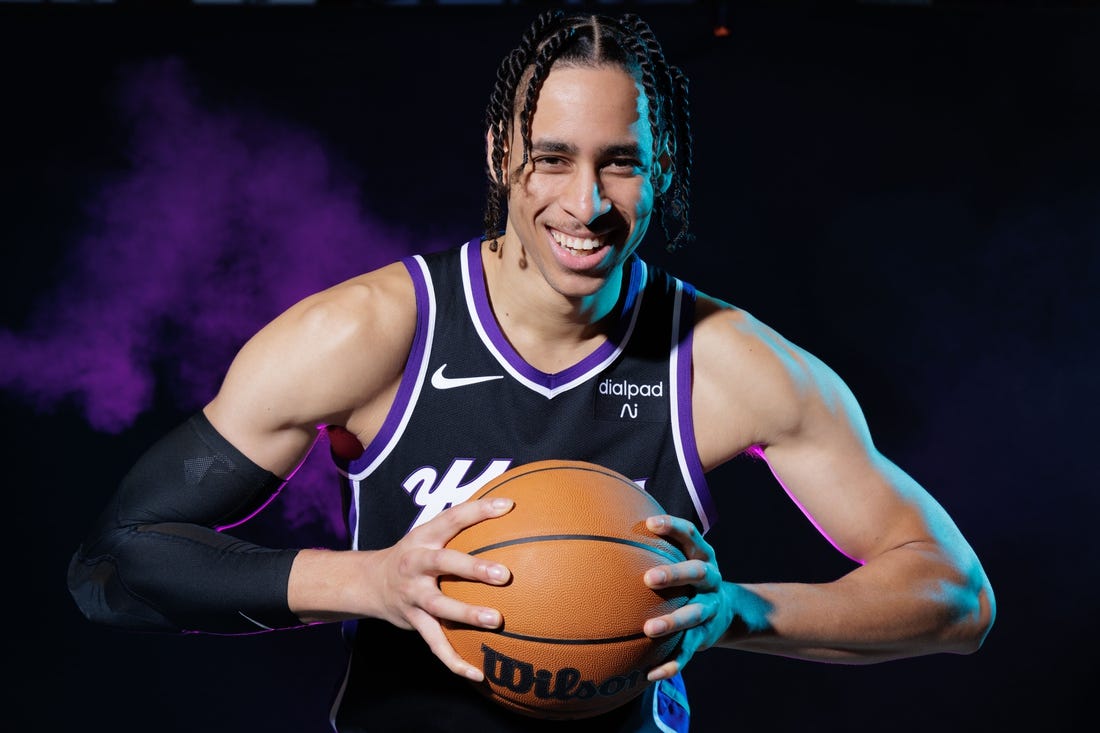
(644, 200)
(533, 194)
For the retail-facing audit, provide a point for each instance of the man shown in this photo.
(436, 374)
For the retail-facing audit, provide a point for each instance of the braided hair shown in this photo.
(592, 40)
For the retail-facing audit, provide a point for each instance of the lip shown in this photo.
(577, 263)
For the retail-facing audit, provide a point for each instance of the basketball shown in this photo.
(571, 645)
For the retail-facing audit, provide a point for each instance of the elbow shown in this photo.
(85, 580)
(987, 614)
(103, 598)
(973, 615)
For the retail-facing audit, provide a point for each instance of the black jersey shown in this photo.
(469, 408)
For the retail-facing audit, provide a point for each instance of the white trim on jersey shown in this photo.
(410, 405)
(677, 429)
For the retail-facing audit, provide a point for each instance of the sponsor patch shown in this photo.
(623, 399)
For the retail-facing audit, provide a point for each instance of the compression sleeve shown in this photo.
(155, 559)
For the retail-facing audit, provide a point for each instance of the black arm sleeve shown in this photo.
(155, 560)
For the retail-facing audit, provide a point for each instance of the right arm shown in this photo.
(157, 558)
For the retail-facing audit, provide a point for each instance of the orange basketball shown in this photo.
(571, 645)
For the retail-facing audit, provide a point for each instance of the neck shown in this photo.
(550, 329)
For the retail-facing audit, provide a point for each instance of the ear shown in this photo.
(664, 166)
(489, 138)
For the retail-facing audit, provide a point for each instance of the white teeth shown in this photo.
(571, 242)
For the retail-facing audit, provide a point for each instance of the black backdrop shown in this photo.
(912, 193)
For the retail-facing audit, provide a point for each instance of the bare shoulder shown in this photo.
(355, 322)
(333, 356)
(751, 385)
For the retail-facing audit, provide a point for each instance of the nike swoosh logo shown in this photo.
(441, 382)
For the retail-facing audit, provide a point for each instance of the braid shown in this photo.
(679, 193)
(669, 118)
(592, 41)
(498, 114)
(640, 46)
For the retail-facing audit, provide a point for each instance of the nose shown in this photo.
(585, 199)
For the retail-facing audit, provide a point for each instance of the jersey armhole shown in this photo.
(412, 380)
(687, 451)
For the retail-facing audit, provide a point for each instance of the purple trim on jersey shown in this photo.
(407, 388)
(492, 329)
(683, 407)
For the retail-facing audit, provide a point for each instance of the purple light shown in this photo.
(223, 219)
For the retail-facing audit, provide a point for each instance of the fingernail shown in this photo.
(656, 522)
(657, 577)
(497, 572)
(501, 504)
(488, 618)
(658, 627)
(474, 674)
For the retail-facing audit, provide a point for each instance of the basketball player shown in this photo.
(551, 323)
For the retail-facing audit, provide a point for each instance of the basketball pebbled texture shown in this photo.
(571, 645)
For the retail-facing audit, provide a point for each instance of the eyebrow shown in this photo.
(626, 150)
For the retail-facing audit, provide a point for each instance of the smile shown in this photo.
(581, 244)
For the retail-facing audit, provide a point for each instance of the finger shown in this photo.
(442, 606)
(683, 618)
(664, 672)
(449, 523)
(691, 572)
(440, 562)
(432, 633)
(683, 533)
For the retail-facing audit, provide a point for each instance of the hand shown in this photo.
(705, 620)
(409, 580)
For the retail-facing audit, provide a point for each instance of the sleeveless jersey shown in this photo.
(468, 408)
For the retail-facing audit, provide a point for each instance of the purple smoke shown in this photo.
(222, 220)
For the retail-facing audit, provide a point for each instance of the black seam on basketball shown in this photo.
(550, 640)
(604, 472)
(580, 537)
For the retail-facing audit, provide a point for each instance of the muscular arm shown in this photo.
(156, 559)
(919, 587)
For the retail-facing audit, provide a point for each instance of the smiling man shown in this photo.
(549, 339)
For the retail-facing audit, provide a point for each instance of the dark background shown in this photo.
(912, 192)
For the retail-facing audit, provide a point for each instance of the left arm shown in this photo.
(919, 588)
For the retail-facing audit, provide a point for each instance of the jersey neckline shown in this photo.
(481, 313)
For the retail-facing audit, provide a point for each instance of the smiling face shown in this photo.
(582, 203)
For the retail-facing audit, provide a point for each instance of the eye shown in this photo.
(548, 162)
(624, 166)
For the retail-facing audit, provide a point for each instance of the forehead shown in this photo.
(590, 103)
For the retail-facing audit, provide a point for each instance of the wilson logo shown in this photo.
(563, 684)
